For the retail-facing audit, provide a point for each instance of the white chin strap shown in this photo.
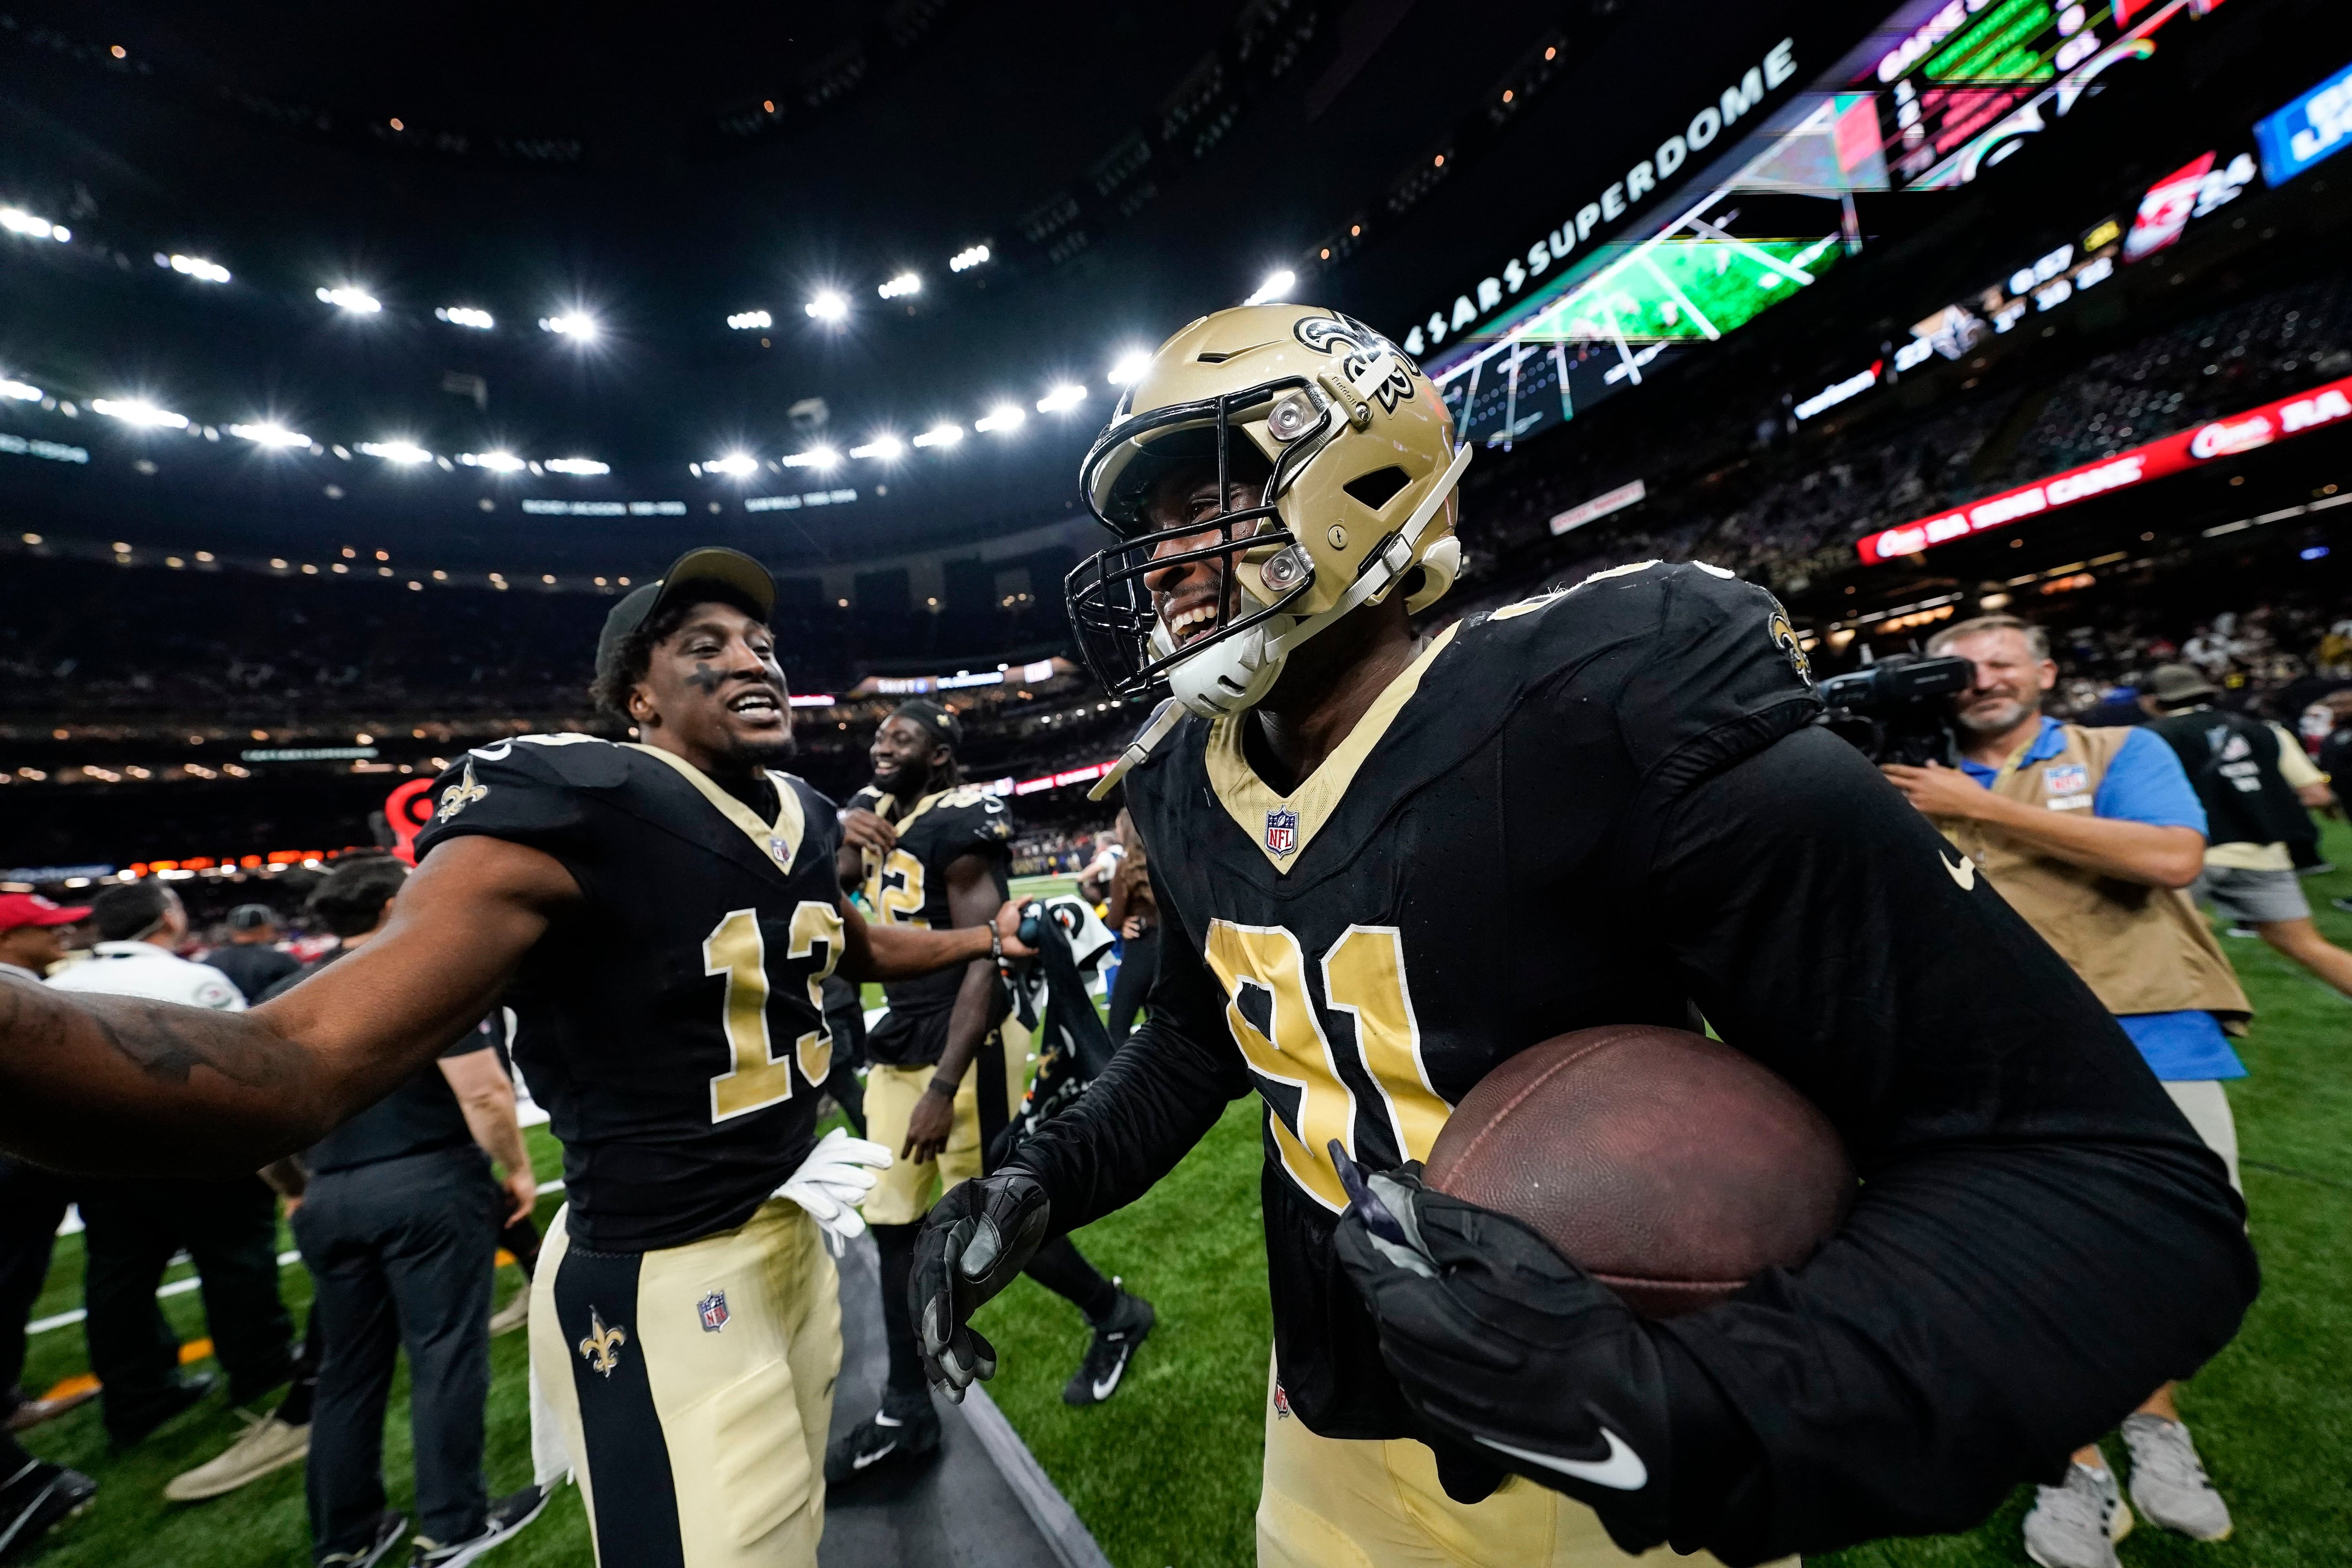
(1236, 673)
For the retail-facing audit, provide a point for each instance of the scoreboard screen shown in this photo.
(1963, 87)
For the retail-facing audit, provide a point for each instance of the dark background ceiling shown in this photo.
(1131, 166)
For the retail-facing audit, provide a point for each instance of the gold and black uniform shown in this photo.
(1630, 774)
(908, 886)
(685, 1324)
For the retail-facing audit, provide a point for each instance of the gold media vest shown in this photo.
(2139, 949)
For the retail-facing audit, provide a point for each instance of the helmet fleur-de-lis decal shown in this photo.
(602, 1349)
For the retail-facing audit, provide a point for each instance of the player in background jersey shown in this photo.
(664, 912)
(2039, 1236)
(947, 1064)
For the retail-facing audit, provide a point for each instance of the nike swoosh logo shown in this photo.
(1964, 873)
(860, 1461)
(1622, 1471)
(1103, 1388)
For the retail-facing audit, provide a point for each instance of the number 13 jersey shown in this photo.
(671, 1022)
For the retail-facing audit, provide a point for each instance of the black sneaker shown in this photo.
(889, 1439)
(1116, 1338)
(505, 1516)
(177, 1398)
(35, 1498)
(383, 1537)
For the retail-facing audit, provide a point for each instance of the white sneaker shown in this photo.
(2077, 1524)
(2168, 1481)
(268, 1444)
(514, 1314)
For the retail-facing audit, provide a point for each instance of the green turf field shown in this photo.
(1166, 1474)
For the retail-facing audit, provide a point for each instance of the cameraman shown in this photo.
(2091, 833)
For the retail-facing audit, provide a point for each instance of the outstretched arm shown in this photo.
(902, 953)
(119, 1086)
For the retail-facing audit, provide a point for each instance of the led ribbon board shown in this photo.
(2315, 126)
(2321, 406)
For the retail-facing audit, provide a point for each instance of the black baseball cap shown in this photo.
(711, 566)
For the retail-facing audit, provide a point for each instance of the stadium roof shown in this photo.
(658, 173)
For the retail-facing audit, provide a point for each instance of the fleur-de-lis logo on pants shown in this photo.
(602, 1349)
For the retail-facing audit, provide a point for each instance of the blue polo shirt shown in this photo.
(2146, 783)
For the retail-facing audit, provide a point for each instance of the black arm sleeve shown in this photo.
(1163, 1090)
(2039, 1239)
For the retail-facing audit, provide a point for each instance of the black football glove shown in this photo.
(976, 1239)
(1512, 1352)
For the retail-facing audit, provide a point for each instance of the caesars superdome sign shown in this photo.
(1606, 206)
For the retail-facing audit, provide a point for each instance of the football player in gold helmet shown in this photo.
(1327, 793)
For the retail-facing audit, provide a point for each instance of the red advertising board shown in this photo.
(2321, 406)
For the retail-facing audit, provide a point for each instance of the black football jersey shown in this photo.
(1383, 936)
(1610, 805)
(908, 886)
(673, 1025)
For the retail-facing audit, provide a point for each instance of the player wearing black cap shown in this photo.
(660, 915)
(946, 1062)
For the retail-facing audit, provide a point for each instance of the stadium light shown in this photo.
(23, 392)
(905, 283)
(750, 321)
(496, 462)
(735, 465)
(886, 448)
(588, 467)
(406, 453)
(572, 324)
(464, 315)
(269, 435)
(940, 435)
(967, 258)
(16, 220)
(359, 301)
(1132, 364)
(1276, 287)
(818, 458)
(831, 305)
(132, 411)
(1062, 399)
(1003, 417)
(194, 266)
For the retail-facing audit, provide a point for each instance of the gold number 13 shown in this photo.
(1363, 975)
(736, 949)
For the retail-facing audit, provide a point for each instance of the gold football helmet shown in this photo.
(1359, 504)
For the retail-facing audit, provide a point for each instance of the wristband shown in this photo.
(995, 942)
(940, 1086)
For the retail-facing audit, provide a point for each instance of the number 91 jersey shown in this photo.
(672, 1022)
(1449, 886)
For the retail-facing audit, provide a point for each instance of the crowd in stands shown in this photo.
(1778, 511)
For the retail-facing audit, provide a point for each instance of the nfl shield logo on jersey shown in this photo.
(714, 1311)
(1281, 831)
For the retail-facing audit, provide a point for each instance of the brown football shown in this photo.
(1668, 1165)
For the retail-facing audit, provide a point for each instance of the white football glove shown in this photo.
(833, 1181)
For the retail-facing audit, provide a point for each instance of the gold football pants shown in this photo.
(694, 1387)
(905, 1192)
(1329, 1503)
